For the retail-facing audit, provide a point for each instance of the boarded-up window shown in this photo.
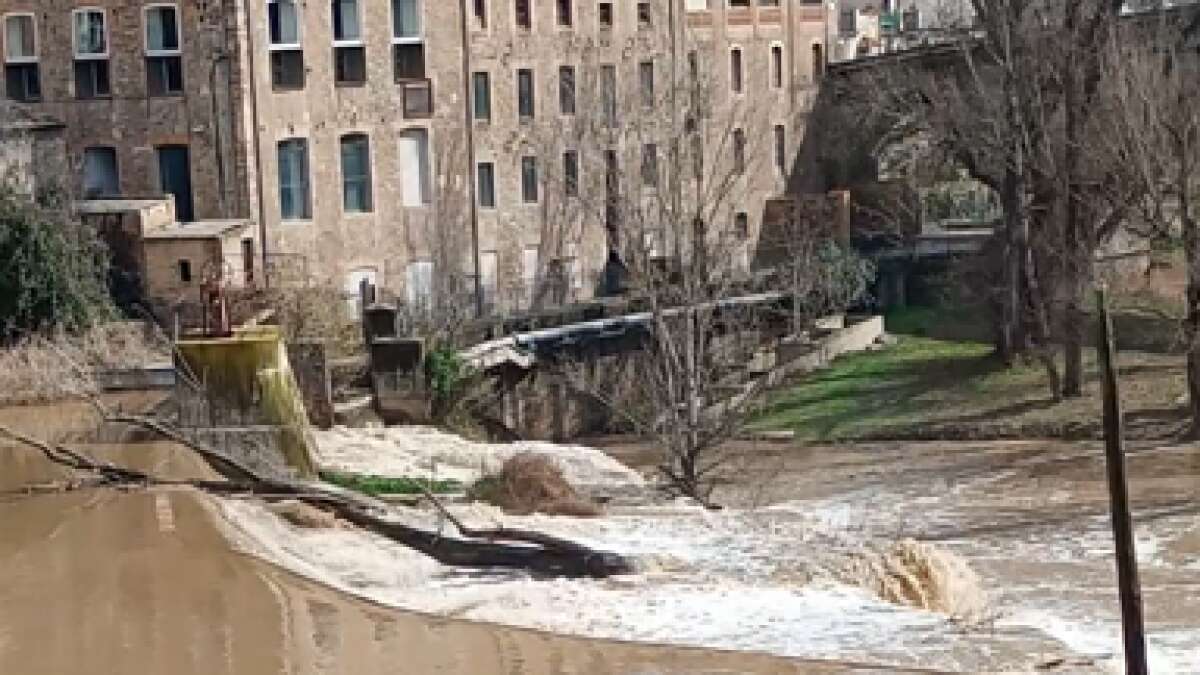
(414, 167)
(419, 284)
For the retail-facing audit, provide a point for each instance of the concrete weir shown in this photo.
(244, 399)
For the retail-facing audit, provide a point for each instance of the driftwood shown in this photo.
(499, 548)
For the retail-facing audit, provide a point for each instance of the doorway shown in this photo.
(175, 178)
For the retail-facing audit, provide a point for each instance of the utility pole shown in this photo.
(1132, 623)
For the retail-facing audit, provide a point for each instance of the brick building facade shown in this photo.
(411, 142)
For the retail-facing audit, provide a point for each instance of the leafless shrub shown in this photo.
(45, 367)
(532, 483)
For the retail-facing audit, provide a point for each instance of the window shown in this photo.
(248, 262)
(175, 178)
(523, 14)
(776, 67)
(487, 185)
(349, 52)
(22, 78)
(418, 284)
(356, 173)
(566, 90)
(739, 151)
(529, 180)
(646, 82)
(100, 176)
(414, 168)
(481, 85)
(612, 190)
(408, 61)
(605, 14)
(818, 61)
(408, 45)
(480, 12)
(741, 225)
(735, 70)
(294, 202)
(529, 272)
(608, 93)
(650, 165)
(525, 101)
(781, 149)
(697, 5)
(164, 55)
(739, 3)
(645, 18)
(287, 54)
(185, 271)
(91, 54)
(564, 12)
(487, 278)
(571, 173)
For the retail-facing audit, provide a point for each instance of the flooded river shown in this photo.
(141, 582)
(144, 582)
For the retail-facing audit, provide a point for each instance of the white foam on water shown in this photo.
(424, 451)
(766, 581)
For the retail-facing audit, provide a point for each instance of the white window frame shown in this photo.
(178, 51)
(353, 42)
(776, 44)
(37, 40)
(75, 34)
(420, 36)
(296, 46)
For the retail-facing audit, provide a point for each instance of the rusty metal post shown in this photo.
(1132, 623)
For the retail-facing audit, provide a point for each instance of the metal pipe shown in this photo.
(471, 169)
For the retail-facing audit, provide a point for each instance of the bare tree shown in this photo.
(678, 224)
(1153, 129)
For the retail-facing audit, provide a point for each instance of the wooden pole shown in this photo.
(1132, 624)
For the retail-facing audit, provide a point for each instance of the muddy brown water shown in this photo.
(143, 582)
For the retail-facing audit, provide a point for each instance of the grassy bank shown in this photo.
(926, 387)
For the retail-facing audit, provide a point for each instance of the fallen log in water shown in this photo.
(536, 552)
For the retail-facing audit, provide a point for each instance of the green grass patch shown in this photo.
(953, 323)
(913, 382)
(389, 485)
